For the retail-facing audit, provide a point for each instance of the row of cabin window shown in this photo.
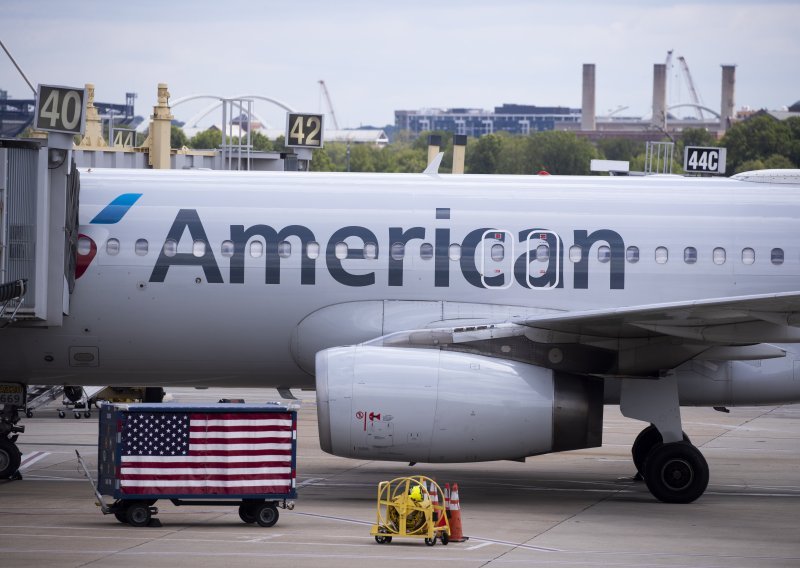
(497, 251)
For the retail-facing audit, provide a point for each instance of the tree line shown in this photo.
(757, 143)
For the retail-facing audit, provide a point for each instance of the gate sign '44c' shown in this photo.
(303, 130)
(60, 109)
(704, 160)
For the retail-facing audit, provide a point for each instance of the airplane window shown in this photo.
(256, 249)
(426, 251)
(199, 248)
(575, 253)
(719, 255)
(776, 256)
(112, 247)
(284, 249)
(632, 254)
(141, 247)
(603, 253)
(662, 255)
(370, 251)
(226, 249)
(454, 252)
(543, 253)
(748, 256)
(690, 255)
(341, 251)
(312, 250)
(170, 247)
(498, 252)
(398, 251)
(84, 246)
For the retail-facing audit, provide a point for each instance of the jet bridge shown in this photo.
(39, 189)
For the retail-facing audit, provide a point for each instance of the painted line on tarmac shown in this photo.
(31, 459)
(477, 546)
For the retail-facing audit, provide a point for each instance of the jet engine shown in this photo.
(430, 405)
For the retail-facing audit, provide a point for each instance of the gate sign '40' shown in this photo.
(303, 130)
(704, 160)
(60, 109)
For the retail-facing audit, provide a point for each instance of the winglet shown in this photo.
(433, 167)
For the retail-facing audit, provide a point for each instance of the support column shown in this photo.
(93, 134)
(726, 107)
(459, 152)
(434, 143)
(588, 120)
(659, 119)
(160, 130)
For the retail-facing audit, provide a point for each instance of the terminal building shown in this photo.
(511, 118)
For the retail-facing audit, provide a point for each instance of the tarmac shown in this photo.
(579, 508)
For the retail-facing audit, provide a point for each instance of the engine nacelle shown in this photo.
(427, 405)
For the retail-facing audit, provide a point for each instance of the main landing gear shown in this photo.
(674, 470)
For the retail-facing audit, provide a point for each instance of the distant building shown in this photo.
(512, 118)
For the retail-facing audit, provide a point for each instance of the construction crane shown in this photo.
(324, 90)
(690, 82)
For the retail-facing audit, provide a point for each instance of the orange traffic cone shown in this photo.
(434, 494)
(456, 531)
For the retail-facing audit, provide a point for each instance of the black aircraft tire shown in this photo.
(138, 514)
(266, 514)
(10, 458)
(247, 512)
(676, 472)
(647, 439)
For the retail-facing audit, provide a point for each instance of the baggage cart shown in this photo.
(215, 454)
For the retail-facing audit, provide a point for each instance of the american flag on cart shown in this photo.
(206, 453)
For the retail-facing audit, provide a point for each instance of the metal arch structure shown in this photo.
(696, 106)
(220, 98)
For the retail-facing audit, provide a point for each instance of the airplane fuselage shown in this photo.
(205, 278)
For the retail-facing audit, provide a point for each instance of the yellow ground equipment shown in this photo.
(411, 507)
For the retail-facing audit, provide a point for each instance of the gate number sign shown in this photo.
(698, 159)
(60, 109)
(304, 130)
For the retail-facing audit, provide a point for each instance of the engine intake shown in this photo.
(437, 406)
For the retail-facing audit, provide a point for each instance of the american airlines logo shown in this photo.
(486, 257)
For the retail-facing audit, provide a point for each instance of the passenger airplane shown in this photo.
(441, 318)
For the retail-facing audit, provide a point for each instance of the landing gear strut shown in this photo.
(674, 470)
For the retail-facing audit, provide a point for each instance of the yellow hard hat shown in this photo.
(416, 493)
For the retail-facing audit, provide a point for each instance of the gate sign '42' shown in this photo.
(704, 160)
(303, 130)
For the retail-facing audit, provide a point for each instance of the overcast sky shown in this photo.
(376, 57)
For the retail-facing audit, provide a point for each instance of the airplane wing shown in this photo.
(629, 341)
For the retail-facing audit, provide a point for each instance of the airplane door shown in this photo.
(496, 254)
(543, 260)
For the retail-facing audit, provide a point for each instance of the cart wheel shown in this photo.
(29, 413)
(247, 512)
(61, 414)
(88, 414)
(121, 516)
(430, 541)
(383, 539)
(266, 514)
(77, 415)
(445, 538)
(137, 514)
